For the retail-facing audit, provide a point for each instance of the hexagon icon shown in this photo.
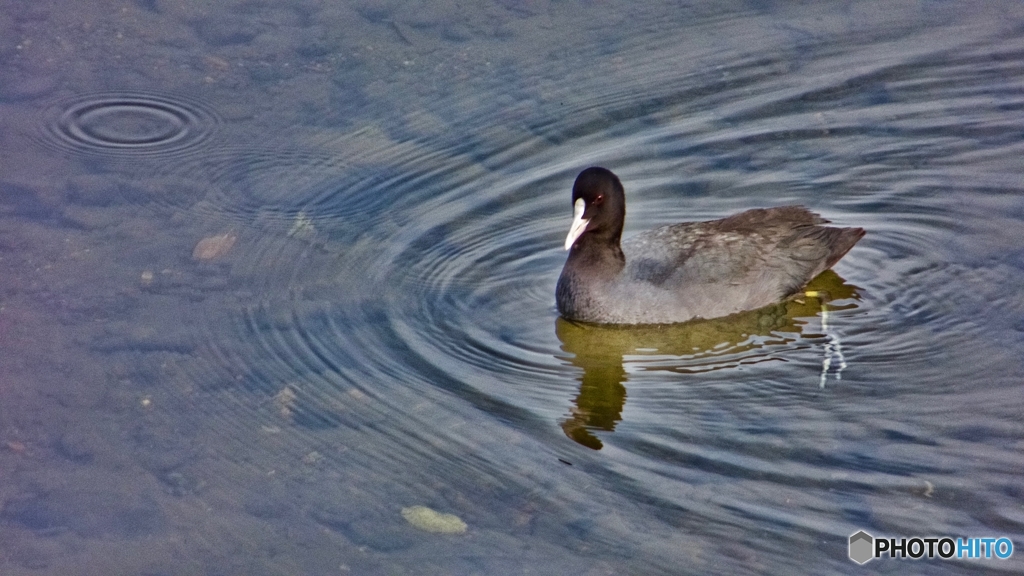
(861, 544)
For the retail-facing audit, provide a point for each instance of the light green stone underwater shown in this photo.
(433, 521)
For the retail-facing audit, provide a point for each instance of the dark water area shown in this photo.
(272, 275)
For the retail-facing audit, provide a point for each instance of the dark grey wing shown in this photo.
(746, 261)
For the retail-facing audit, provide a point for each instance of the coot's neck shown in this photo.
(596, 257)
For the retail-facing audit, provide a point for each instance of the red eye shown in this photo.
(599, 199)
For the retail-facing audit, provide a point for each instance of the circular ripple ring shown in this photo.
(129, 124)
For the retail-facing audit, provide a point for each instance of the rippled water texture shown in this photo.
(277, 287)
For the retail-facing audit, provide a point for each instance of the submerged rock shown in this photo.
(433, 521)
(213, 247)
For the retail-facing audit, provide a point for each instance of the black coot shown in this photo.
(689, 270)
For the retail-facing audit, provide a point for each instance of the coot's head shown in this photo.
(599, 207)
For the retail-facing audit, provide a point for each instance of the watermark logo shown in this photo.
(861, 547)
(864, 547)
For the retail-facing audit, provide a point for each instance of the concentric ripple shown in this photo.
(128, 124)
(410, 265)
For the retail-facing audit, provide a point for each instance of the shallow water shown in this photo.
(385, 187)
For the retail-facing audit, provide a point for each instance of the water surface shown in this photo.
(384, 188)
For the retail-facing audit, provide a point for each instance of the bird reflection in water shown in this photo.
(700, 345)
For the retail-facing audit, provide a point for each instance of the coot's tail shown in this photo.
(840, 242)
